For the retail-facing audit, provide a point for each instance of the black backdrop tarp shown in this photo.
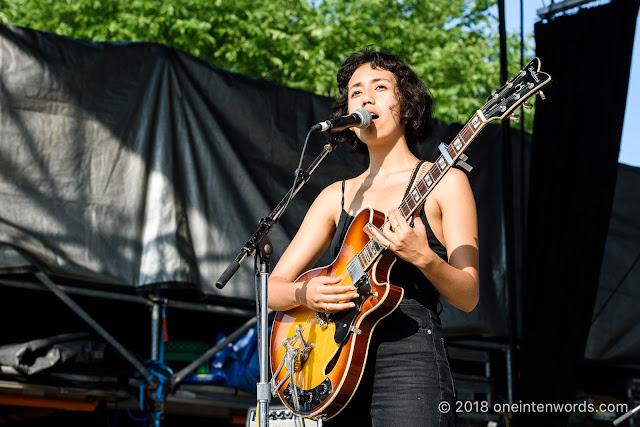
(614, 336)
(137, 166)
(574, 164)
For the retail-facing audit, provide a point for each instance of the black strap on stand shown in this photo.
(260, 246)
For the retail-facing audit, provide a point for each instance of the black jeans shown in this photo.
(407, 375)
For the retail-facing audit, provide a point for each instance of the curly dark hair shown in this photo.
(416, 103)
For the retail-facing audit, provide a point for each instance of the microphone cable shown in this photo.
(298, 169)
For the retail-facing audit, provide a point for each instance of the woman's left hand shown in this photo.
(408, 242)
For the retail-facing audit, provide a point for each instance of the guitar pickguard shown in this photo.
(344, 320)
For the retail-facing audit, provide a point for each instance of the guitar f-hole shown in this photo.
(333, 361)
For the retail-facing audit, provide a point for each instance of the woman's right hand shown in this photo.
(325, 295)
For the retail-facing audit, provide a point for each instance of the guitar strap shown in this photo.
(419, 171)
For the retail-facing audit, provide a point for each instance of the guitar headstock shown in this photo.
(529, 81)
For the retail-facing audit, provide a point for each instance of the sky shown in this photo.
(630, 144)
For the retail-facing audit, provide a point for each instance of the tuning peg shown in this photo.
(542, 95)
(527, 106)
(514, 117)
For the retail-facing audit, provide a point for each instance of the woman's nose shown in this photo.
(367, 98)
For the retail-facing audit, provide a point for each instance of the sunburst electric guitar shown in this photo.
(317, 359)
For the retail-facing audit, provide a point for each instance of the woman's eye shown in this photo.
(354, 93)
(381, 87)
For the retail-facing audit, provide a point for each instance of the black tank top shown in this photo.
(403, 274)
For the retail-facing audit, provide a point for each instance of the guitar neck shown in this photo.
(441, 166)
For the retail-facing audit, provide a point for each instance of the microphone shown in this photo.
(361, 118)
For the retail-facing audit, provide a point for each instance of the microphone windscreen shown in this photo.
(365, 116)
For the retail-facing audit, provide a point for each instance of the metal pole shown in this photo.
(156, 309)
(263, 388)
(507, 195)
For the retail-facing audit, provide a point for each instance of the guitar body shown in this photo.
(329, 373)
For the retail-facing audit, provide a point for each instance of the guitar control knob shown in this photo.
(527, 106)
(307, 397)
(322, 389)
(514, 117)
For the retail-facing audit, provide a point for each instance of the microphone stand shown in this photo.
(626, 416)
(260, 241)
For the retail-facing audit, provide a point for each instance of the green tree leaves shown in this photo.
(452, 45)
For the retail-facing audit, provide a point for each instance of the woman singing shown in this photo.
(407, 374)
